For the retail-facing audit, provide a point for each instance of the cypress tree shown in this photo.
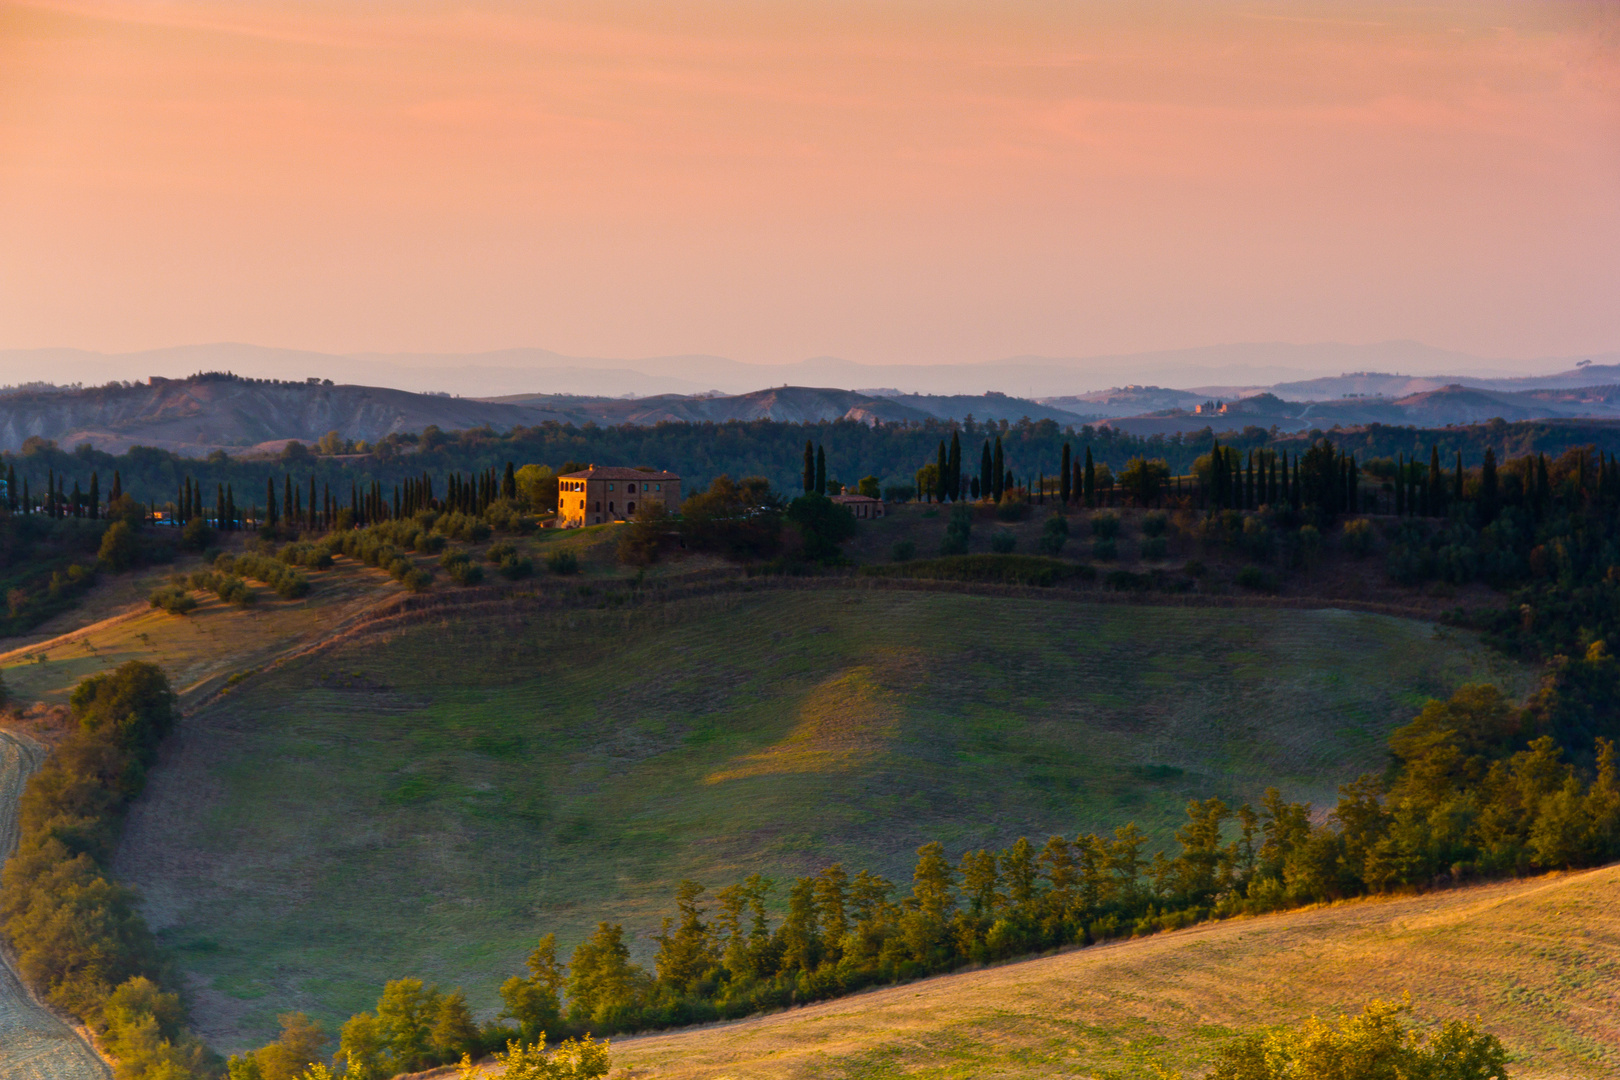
(118, 487)
(1249, 500)
(1437, 480)
(942, 473)
(287, 500)
(219, 507)
(95, 497)
(997, 471)
(397, 507)
(809, 467)
(953, 486)
(509, 483)
(27, 502)
(1487, 485)
(1088, 481)
(270, 502)
(986, 471)
(1065, 485)
(821, 469)
(230, 508)
(77, 502)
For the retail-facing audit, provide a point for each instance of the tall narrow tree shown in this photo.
(953, 484)
(997, 471)
(1065, 487)
(821, 469)
(1088, 481)
(942, 478)
(986, 471)
(809, 467)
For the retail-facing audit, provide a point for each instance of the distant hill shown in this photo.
(221, 411)
(1428, 408)
(208, 412)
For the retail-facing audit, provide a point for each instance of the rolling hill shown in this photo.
(1536, 961)
(429, 800)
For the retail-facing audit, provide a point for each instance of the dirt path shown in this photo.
(34, 1044)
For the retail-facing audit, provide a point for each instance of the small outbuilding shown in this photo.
(862, 506)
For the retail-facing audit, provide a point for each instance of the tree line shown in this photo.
(701, 452)
(80, 943)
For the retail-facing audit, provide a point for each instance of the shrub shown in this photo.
(1012, 508)
(1125, 581)
(516, 566)
(1155, 547)
(1358, 537)
(462, 570)
(459, 526)
(119, 547)
(1054, 534)
(562, 562)
(198, 535)
(1155, 523)
(173, 599)
(1104, 548)
(1253, 577)
(1002, 542)
(1105, 526)
(903, 551)
(500, 551)
(957, 531)
(302, 553)
(416, 579)
(227, 586)
(288, 583)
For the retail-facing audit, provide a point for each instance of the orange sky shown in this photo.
(900, 182)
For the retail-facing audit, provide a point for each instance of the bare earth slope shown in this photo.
(34, 1044)
(1537, 960)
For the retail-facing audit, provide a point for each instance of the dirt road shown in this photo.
(34, 1044)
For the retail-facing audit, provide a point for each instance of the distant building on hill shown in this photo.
(862, 506)
(599, 496)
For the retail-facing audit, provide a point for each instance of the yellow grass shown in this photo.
(200, 651)
(1537, 961)
(840, 724)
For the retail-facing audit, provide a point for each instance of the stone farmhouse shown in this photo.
(598, 496)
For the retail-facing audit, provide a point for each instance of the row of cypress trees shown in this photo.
(57, 502)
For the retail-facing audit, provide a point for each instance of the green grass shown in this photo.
(429, 803)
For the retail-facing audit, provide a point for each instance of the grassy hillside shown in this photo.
(1537, 960)
(429, 803)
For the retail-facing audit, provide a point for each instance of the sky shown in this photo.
(886, 182)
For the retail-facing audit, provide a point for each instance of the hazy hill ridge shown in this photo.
(206, 412)
(213, 411)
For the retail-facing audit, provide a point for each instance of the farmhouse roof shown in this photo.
(855, 499)
(613, 472)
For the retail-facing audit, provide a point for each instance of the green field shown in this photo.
(427, 804)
